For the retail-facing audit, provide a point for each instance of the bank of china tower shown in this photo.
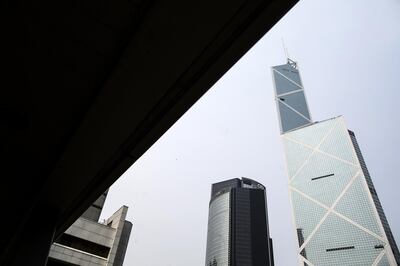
(337, 213)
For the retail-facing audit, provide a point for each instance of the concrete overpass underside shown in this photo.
(88, 86)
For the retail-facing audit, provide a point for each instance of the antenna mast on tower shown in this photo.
(289, 61)
(285, 49)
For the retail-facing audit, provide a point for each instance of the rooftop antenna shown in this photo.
(289, 61)
(285, 49)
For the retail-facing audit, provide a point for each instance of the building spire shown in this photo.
(285, 50)
(288, 60)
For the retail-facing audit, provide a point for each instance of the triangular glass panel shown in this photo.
(323, 178)
(290, 119)
(313, 134)
(283, 85)
(289, 72)
(338, 242)
(356, 205)
(296, 154)
(307, 215)
(384, 261)
(297, 101)
(338, 143)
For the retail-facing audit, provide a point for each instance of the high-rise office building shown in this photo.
(238, 233)
(337, 214)
(89, 242)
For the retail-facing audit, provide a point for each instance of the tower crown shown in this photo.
(290, 98)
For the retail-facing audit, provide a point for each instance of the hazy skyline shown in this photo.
(348, 55)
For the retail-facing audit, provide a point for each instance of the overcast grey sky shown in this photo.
(348, 53)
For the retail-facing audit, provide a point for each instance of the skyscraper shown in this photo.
(337, 213)
(238, 233)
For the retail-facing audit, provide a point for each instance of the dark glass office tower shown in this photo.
(238, 233)
(337, 213)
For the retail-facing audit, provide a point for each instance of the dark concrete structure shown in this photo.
(90, 242)
(88, 86)
(238, 233)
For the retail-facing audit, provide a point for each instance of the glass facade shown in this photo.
(238, 232)
(337, 222)
(291, 101)
(338, 217)
(218, 231)
(377, 202)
